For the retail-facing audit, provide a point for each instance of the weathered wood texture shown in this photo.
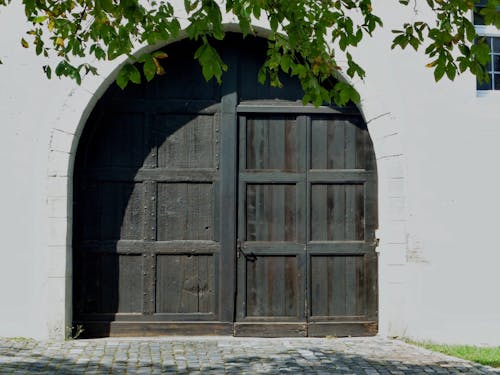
(306, 181)
(184, 200)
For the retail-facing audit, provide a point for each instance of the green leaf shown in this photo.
(39, 19)
(149, 68)
(135, 75)
(24, 43)
(439, 71)
(451, 71)
(123, 77)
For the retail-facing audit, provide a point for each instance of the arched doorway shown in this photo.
(233, 209)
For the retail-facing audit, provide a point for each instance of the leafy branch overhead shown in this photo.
(310, 39)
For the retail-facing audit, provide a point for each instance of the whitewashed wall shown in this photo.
(436, 146)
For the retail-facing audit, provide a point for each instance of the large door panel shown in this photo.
(306, 256)
(271, 237)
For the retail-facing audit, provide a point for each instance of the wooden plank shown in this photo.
(150, 147)
(349, 145)
(144, 318)
(151, 329)
(248, 304)
(185, 285)
(343, 329)
(294, 285)
(337, 303)
(351, 285)
(148, 274)
(319, 212)
(152, 105)
(156, 247)
(351, 212)
(371, 285)
(149, 211)
(292, 142)
(339, 247)
(189, 285)
(319, 286)
(336, 151)
(118, 142)
(185, 141)
(290, 233)
(361, 135)
(276, 285)
(87, 219)
(371, 209)
(359, 216)
(156, 174)
(245, 157)
(205, 283)
(319, 143)
(362, 290)
(271, 177)
(277, 144)
(226, 277)
(273, 248)
(108, 283)
(261, 208)
(168, 284)
(286, 107)
(185, 211)
(336, 225)
(339, 176)
(270, 329)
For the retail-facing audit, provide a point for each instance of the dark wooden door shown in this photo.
(147, 248)
(307, 211)
(206, 209)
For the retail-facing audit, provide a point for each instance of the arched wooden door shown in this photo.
(206, 209)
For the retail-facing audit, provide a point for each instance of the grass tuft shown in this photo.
(489, 356)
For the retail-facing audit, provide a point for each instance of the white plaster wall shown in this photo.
(436, 151)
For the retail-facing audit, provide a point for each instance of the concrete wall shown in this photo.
(438, 202)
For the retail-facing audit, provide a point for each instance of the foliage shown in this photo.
(489, 356)
(308, 38)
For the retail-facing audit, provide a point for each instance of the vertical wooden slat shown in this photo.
(359, 216)
(319, 143)
(351, 285)
(320, 284)
(350, 212)
(292, 287)
(109, 287)
(204, 281)
(361, 286)
(336, 143)
(250, 284)
(130, 283)
(338, 302)
(226, 273)
(290, 216)
(361, 135)
(320, 206)
(337, 193)
(349, 145)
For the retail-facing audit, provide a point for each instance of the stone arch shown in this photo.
(65, 135)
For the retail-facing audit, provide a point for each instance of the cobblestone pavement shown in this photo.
(218, 355)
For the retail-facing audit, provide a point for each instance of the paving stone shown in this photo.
(219, 355)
